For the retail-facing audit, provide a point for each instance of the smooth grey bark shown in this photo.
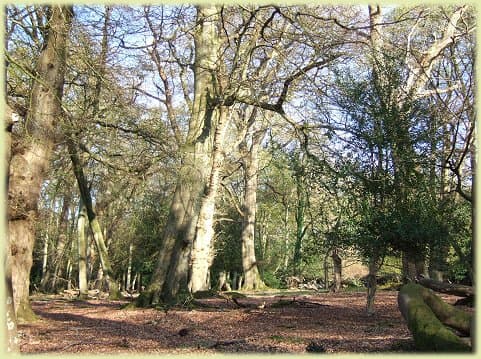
(202, 251)
(45, 269)
(82, 251)
(31, 154)
(62, 243)
(129, 268)
(172, 270)
(252, 278)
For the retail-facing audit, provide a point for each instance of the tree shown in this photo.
(171, 273)
(202, 255)
(387, 112)
(221, 78)
(82, 251)
(33, 140)
(250, 149)
(284, 137)
(11, 317)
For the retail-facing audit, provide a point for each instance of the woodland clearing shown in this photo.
(287, 323)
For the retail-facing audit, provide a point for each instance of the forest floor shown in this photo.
(286, 323)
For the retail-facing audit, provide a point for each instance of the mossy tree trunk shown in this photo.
(428, 319)
(32, 147)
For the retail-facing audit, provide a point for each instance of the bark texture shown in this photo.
(82, 251)
(372, 284)
(93, 220)
(337, 268)
(427, 317)
(11, 318)
(202, 252)
(31, 154)
(172, 270)
(252, 278)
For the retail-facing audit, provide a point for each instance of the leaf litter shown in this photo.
(317, 322)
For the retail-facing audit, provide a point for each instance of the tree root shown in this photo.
(428, 319)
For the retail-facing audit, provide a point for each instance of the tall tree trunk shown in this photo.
(372, 284)
(337, 269)
(82, 251)
(252, 279)
(202, 250)
(93, 220)
(62, 242)
(408, 268)
(326, 270)
(134, 281)
(44, 258)
(171, 274)
(78, 169)
(11, 318)
(474, 189)
(286, 235)
(59, 255)
(300, 214)
(172, 229)
(178, 274)
(129, 268)
(45, 269)
(31, 154)
(12, 344)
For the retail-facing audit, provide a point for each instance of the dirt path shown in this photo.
(329, 322)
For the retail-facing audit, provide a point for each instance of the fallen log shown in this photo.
(428, 319)
(447, 288)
